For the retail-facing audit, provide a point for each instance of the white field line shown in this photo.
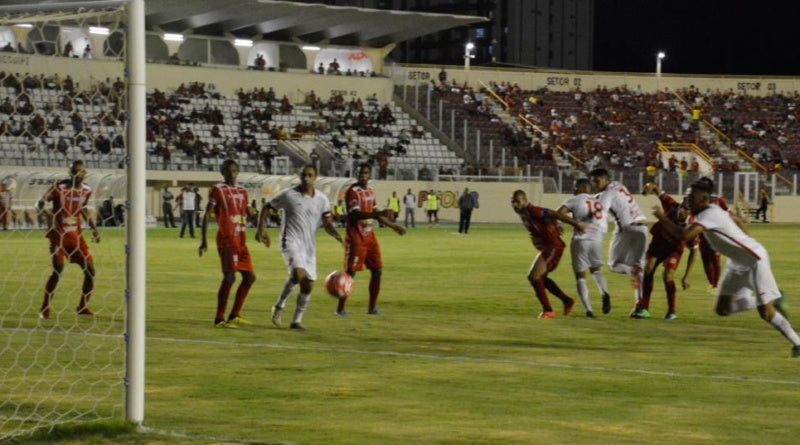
(459, 358)
(468, 359)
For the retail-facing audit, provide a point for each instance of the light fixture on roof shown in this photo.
(659, 57)
(310, 48)
(468, 54)
(24, 25)
(243, 43)
(99, 30)
(173, 37)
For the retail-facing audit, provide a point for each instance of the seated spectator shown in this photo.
(286, 106)
(333, 67)
(404, 137)
(424, 174)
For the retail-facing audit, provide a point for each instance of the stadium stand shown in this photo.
(44, 120)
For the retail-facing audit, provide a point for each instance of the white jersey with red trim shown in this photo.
(619, 202)
(589, 210)
(727, 238)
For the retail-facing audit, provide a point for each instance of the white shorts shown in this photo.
(586, 253)
(628, 245)
(301, 257)
(748, 282)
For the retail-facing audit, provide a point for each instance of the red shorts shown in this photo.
(235, 259)
(551, 256)
(670, 260)
(70, 245)
(359, 252)
(665, 251)
(707, 253)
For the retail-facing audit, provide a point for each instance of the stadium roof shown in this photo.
(309, 23)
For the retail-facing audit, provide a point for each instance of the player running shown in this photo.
(747, 282)
(304, 209)
(586, 248)
(629, 241)
(665, 249)
(712, 261)
(361, 245)
(544, 235)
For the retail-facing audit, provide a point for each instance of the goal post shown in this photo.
(136, 245)
(71, 367)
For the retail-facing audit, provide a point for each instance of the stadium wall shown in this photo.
(587, 81)
(494, 197)
(227, 81)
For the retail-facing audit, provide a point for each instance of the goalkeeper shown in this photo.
(69, 198)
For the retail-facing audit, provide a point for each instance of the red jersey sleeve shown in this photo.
(351, 199)
(723, 204)
(214, 196)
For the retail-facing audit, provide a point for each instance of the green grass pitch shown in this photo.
(458, 356)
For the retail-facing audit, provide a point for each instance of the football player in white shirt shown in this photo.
(629, 241)
(586, 248)
(747, 281)
(304, 208)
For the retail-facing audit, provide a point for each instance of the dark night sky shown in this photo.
(698, 36)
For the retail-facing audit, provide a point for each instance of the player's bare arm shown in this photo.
(739, 222)
(651, 188)
(92, 226)
(375, 214)
(327, 223)
(386, 222)
(564, 211)
(685, 283)
(204, 230)
(684, 234)
(579, 226)
(261, 234)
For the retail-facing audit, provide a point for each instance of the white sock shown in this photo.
(583, 294)
(600, 280)
(287, 290)
(785, 328)
(302, 304)
(637, 292)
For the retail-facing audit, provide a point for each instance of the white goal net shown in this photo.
(63, 307)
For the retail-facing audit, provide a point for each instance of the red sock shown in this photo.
(374, 290)
(670, 286)
(541, 294)
(340, 305)
(555, 290)
(717, 266)
(86, 293)
(241, 295)
(647, 291)
(222, 299)
(49, 288)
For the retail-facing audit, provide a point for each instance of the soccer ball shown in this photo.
(338, 284)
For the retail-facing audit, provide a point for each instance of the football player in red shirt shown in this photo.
(360, 243)
(544, 234)
(230, 204)
(664, 249)
(69, 199)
